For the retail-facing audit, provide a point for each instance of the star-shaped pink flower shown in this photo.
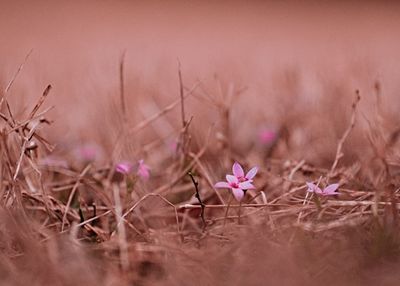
(328, 191)
(238, 182)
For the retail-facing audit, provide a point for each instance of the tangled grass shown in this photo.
(68, 219)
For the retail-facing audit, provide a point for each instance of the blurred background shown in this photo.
(287, 63)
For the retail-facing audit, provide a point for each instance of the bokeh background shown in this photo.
(296, 63)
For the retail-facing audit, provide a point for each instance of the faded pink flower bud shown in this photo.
(123, 167)
(88, 152)
(267, 136)
(143, 170)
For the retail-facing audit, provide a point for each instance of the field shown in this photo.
(193, 143)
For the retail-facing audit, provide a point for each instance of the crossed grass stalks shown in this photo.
(17, 190)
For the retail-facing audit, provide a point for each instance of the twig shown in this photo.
(94, 218)
(184, 135)
(13, 78)
(40, 101)
(295, 169)
(240, 212)
(71, 195)
(17, 128)
(147, 121)
(226, 213)
(23, 148)
(357, 203)
(184, 142)
(265, 201)
(191, 206)
(123, 245)
(168, 108)
(181, 93)
(26, 122)
(206, 176)
(122, 87)
(154, 195)
(183, 173)
(339, 153)
(197, 195)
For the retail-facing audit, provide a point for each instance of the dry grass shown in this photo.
(67, 221)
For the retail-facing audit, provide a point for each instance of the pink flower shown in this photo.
(143, 170)
(239, 173)
(238, 182)
(328, 191)
(267, 136)
(173, 146)
(88, 152)
(123, 167)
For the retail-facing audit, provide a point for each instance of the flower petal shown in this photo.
(222, 185)
(331, 189)
(232, 179)
(238, 194)
(313, 188)
(250, 174)
(123, 167)
(246, 186)
(143, 170)
(237, 170)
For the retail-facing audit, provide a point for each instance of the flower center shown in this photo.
(235, 185)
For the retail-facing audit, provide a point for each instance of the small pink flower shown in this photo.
(328, 191)
(267, 136)
(173, 146)
(238, 182)
(123, 167)
(88, 152)
(143, 170)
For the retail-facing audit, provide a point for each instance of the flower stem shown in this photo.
(226, 213)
